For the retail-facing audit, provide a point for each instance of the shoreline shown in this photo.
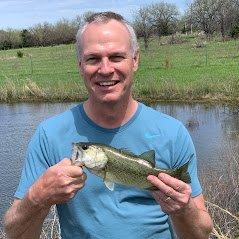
(147, 100)
(210, 100)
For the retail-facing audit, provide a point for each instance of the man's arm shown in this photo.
(193, 222)
(189, 215)
(57, 185)
(24, 219)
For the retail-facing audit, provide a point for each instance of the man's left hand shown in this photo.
(172, 194)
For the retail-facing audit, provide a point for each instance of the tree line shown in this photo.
(44, 34)
(159, 19)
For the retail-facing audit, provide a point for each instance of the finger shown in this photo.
(80, 179)
(166, 204)
(165, 189)
(172, 182)
(162, 197)
(75, 171)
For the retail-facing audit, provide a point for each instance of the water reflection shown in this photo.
(212, 128)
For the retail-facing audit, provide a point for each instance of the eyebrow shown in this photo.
(90, 54)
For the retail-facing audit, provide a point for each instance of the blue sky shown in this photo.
(18, 14)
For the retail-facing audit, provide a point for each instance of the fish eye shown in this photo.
(84, 147)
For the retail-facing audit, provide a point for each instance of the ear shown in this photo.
(136, 61)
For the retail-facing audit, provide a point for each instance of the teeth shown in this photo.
(107, 83)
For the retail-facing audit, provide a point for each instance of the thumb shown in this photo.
(65, 162)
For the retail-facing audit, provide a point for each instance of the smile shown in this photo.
(107, 83)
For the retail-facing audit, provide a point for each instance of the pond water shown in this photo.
(213, 128)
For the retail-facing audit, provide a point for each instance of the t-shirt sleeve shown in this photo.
(184, 152)
(36, 162)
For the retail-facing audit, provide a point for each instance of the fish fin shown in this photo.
(127, 151)
(149, 156)
(182, 174)
(110, 185)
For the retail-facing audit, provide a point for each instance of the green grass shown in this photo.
(167, 72)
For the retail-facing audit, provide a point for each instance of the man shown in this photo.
(108, 57)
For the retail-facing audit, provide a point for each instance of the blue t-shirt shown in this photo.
(95, 212)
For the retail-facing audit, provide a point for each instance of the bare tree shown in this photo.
(9, 39)
(164, 18)
(213, 15)
(86, 15)
(77, 22)
(64, 32)
(203, 13)
(142, 24)
(43, 34)
(225, 15)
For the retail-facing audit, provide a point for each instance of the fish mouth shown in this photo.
(77, 156)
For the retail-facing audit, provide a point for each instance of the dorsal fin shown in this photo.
(149, 156)
(127, 151)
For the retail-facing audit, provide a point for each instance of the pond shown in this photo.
(213, 129)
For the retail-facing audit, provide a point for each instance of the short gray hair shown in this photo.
(105, 17)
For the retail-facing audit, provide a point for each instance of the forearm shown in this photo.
(24, 219)
(192, 223)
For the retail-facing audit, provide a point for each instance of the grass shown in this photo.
(167, 72)
(221, 190)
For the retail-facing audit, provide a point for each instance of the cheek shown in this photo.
(87, 71)
(125, 70)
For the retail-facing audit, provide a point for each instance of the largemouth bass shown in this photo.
(120, 166)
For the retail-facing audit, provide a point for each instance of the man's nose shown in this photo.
(105, 67)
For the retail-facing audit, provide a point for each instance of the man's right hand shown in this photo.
(57, 185)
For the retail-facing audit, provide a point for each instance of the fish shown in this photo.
(121, 166)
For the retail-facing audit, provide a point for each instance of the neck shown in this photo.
(110, 115)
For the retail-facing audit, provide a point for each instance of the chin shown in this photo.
(110, 98)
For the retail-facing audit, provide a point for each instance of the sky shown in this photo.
(19, 14)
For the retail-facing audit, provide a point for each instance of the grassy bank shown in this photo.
(221, 191)
(192, 69)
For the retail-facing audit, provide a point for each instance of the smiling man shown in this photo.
(108, 57)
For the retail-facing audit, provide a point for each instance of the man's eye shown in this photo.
(116, 58)
(92, 60)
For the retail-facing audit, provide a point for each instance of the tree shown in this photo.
(86, 15)
(77, 22)
(164, 18)
(9, 39)
(142, 24)
(27, 38)
(203, 14)
(213, 15)
(64, 32)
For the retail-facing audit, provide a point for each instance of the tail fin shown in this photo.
(182, 174)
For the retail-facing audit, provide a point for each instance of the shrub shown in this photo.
(235, 31)
(19, 54)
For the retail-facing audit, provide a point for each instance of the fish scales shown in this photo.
(120, 166)
(125, 169)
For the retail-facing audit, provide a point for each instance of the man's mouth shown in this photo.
(107, 83)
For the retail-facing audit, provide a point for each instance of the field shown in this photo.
(192, 69)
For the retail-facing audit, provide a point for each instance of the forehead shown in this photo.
(112, 34)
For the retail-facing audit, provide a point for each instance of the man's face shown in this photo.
(107, 62)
